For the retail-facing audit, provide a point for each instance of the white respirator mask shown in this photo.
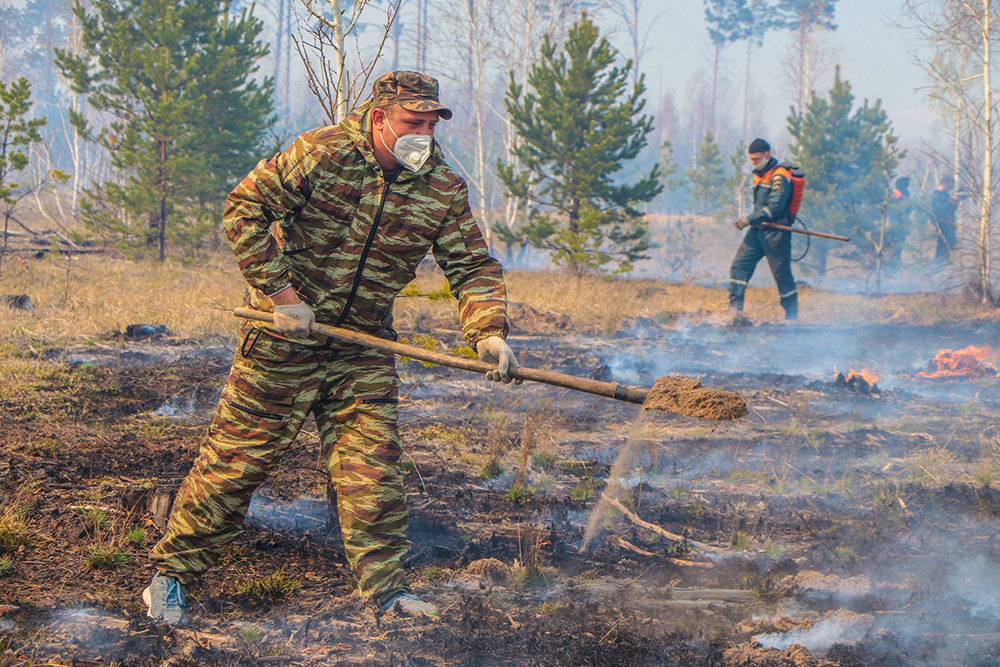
(411, 150)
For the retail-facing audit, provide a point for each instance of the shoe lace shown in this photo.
(175, 593)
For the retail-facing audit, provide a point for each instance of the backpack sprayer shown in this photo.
(798, 180)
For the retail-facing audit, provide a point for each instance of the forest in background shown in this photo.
(279, 67)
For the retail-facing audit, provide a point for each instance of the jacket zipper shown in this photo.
(389, 180)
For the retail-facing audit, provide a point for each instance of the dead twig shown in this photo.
(631, 516)
(465, 489)
(815, 534)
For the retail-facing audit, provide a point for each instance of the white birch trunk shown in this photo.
(340, 108)
(746, 96)
(715, 77)
(987, 197)
(476, 46)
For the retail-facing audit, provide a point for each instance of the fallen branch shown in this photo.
(631, 516)
(625, 544)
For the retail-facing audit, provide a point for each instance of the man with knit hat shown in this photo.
(330, 230)
(772, 196)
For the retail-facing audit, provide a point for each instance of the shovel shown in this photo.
(680, 395)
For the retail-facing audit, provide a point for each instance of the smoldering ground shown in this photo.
(858, 526)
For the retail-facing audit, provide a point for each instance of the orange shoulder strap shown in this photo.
(769, 174)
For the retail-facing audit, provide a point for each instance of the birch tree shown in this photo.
(322, 45)
(637, 30)
(804, 18)
(755, 22)
(724, 19)
(954, 42)
(515, 32)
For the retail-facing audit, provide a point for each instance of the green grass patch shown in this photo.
(268, 590)
(106, 557)
(544, 460)
(517, 493)
(250, 634)
(136, 535)
(845, 554)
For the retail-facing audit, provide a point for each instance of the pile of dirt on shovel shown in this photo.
(686, 396)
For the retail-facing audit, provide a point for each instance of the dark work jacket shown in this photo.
(943, 207)
(772, 194)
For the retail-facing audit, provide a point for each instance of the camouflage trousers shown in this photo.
(274, 384)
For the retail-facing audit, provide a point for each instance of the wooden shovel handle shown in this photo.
(608, 389)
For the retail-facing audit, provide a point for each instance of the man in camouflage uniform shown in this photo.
(772, 195)
(331, 230)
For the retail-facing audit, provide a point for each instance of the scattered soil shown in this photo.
(686, 396)
(755, 656)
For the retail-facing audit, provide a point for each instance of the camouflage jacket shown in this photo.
(348, 241)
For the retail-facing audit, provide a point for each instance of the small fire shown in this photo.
(864, 381)
(968, 363)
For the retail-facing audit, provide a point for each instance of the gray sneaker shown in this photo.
(164, 598)
(411, 605)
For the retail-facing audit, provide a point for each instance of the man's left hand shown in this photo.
(742, 223)
(494, 349)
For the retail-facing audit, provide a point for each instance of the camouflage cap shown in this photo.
(410, 90)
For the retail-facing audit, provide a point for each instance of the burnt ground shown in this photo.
(827, 528)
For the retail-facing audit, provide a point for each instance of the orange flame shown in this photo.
(970, 362)
(866, 374)
(863, 382)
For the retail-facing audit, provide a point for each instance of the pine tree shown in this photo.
(17, 133)
(850, 156)
(578, 125)
(707, 178)
(188, 116)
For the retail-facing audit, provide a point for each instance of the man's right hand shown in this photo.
(742, 223)
(292, 317)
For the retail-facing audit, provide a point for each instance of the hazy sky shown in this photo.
(872, 54)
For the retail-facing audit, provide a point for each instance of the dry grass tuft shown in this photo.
(269, 590)
(490, 568)
(15, 533)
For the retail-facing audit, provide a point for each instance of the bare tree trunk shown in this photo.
(987, 198)
(799, 91)
(161, 236)
(338, 62)
(746, 96)
(476, 48)
(715, 77)
(807, 82)
(279, 36)
(633, 26)
(397, 29)
(419, 57)
(288, 54)
(79, 105)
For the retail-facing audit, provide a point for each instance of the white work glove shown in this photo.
(494, 350)
(294, 321)
(742, 223)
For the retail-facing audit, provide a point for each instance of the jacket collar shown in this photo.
(767, 167)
